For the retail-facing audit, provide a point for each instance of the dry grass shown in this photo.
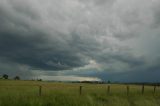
(26, 93)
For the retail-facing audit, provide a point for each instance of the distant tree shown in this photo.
(17, 78)
(5, 76)
(39, 79)
(109, 81)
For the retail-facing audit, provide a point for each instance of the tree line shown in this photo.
(5, 76)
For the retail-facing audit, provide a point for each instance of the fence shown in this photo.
(108, 88)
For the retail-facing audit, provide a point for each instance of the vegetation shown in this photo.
(26, 93)
(17, 78)
(5, 76)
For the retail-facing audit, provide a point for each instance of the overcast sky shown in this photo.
(117, 40)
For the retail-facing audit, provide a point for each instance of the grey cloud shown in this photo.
(13, 69)
(66, 35)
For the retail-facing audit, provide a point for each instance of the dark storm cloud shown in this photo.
(28, 50)
(22, 43)
(96, 38)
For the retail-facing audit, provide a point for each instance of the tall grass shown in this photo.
(26, 93)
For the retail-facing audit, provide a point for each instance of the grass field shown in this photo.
(26, 93)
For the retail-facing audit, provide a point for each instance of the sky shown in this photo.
(76, 40)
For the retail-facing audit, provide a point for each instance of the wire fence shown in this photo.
(82, 89)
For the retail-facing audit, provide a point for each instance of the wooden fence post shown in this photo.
(127, 89)
(154, 89)
(40, 90)
(108, 89)
(80, 90)
(143, 89)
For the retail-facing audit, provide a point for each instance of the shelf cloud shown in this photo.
(107, 39)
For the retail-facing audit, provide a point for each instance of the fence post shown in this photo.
(80, 90)
(108, 89)
(127, 89)
(154, 89)
(40, 90)
(143, 89)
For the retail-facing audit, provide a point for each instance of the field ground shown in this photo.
(26, 93)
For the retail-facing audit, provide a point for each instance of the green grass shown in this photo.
(26, 93)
